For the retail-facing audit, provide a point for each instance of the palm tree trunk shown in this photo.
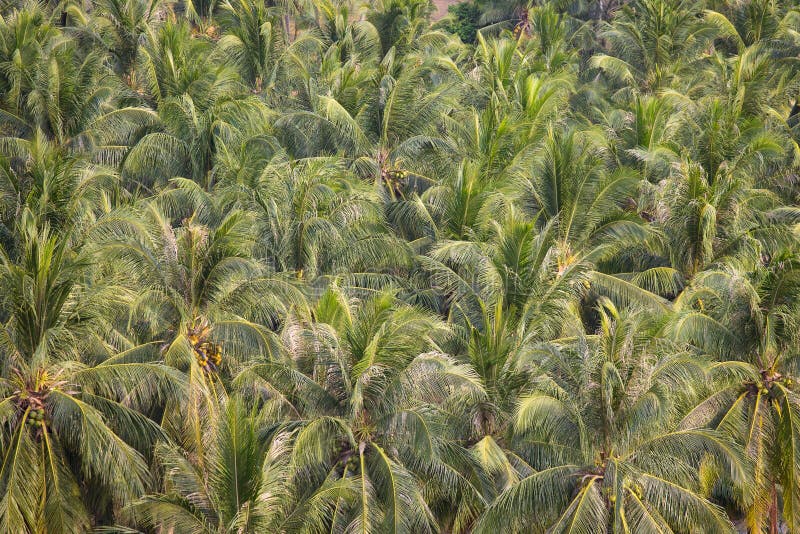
(794, 114)
(286, 24)
(795, 108)
(773, 510)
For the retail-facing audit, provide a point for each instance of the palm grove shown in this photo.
(319, 266)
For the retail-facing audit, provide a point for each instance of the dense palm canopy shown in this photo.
(320, 266)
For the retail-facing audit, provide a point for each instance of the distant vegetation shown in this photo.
(464, 20)
(327, 266)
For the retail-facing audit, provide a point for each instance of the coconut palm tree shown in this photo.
(242, 482)
(321, 221)
(646, 134)
(708, 221)
(196, 279)
(62, 190)
(503, 298)
(399, 23)
(127, 23)
(369, 398)
(653, 43)
(757, 21)
(382, 129)
(600, 435)
(590, 210)
(253, 39)
(54, 87)
(25, 33)
(203, 301)
(753, 325)
(504, 13)
(71, 432)
(195, 96)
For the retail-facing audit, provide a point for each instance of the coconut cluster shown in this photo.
(36, 418)
(207, 353)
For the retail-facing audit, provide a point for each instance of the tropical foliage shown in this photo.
(324, 266)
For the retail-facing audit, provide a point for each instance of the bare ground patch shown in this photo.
(441, 7)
